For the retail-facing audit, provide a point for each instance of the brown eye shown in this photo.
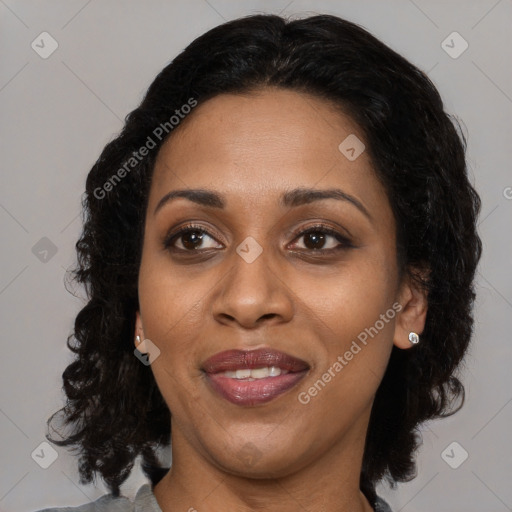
(189, 239)
(314, 240)
(323, 239)
(192, 239)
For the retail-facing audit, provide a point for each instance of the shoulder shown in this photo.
(106, 503)
(144, 500)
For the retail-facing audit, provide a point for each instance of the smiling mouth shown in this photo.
(254, 374)
(254, 377)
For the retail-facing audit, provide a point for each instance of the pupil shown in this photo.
(317, 240)
(192, 239)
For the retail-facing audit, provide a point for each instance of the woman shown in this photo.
(279, 252)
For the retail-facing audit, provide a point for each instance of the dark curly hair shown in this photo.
(114, 406)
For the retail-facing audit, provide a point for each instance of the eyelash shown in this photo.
(345, 243)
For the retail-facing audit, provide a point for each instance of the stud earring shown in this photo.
(140, 346)
(414, 338)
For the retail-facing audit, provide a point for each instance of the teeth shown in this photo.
(274, 371)
(256, 373)
(259, 373)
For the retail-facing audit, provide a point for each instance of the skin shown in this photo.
(250, 149)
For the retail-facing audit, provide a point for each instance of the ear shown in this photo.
(412, 316)
(139, 331)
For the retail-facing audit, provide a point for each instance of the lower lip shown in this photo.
(243, 392)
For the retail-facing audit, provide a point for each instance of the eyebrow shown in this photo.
(290, 199)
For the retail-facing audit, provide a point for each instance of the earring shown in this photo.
(414, 338)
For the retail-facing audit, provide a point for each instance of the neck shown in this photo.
(329, 483)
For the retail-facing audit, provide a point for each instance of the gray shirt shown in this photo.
(144, 501)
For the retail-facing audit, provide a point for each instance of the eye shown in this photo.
(317, 239)
(321, 238)
(190, 238)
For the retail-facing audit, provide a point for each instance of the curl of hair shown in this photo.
(113, 403)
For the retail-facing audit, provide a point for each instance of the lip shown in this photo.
(244, 392)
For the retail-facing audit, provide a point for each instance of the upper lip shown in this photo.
(231, 360)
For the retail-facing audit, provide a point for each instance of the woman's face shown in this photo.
(322, 306)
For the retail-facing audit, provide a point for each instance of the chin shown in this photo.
(249, 461)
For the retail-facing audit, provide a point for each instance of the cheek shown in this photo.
(172, 307)
(353, 298)
(355, 318)
(169, 295)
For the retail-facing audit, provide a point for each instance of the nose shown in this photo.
(253, 293)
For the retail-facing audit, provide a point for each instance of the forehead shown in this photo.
(252, 146)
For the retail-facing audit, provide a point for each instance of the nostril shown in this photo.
(267, 316)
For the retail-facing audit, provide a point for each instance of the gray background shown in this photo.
(58, 113)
